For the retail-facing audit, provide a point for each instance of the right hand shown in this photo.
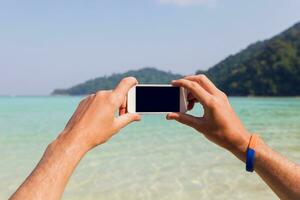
(219, 123)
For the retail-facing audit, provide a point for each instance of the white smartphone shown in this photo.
(156, 99)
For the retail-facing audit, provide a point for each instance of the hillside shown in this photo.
(144, 76)
(266, 68)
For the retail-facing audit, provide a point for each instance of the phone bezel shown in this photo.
(131, 104)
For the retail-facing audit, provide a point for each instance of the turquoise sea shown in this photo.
(153, 159)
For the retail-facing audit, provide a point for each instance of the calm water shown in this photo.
(153, 159)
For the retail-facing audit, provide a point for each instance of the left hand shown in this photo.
(94, 122)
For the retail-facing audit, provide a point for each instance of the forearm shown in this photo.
(49, 178)
(282, 175)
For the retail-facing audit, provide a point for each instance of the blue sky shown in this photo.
(56, 44)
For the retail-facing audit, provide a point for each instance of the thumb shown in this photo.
(186, 119)
(126, 119)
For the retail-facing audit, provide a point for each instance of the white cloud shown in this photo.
(188, 2)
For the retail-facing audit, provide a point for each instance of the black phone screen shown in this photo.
(157, 99)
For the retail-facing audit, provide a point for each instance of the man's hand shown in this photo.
(94, 121)
(219, 123)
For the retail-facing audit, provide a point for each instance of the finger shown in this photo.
(198, 92)
(186, 119)
(204, 82)
(123, 87)
(122, 109)
(126, 119)
(191, 105)
(190, 97)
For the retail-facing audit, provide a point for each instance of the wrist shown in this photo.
(240, 148)
(70, 142)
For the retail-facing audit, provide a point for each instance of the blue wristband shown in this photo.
(250, 160)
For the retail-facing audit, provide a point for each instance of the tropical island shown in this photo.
(146, 75)
(265, 68)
